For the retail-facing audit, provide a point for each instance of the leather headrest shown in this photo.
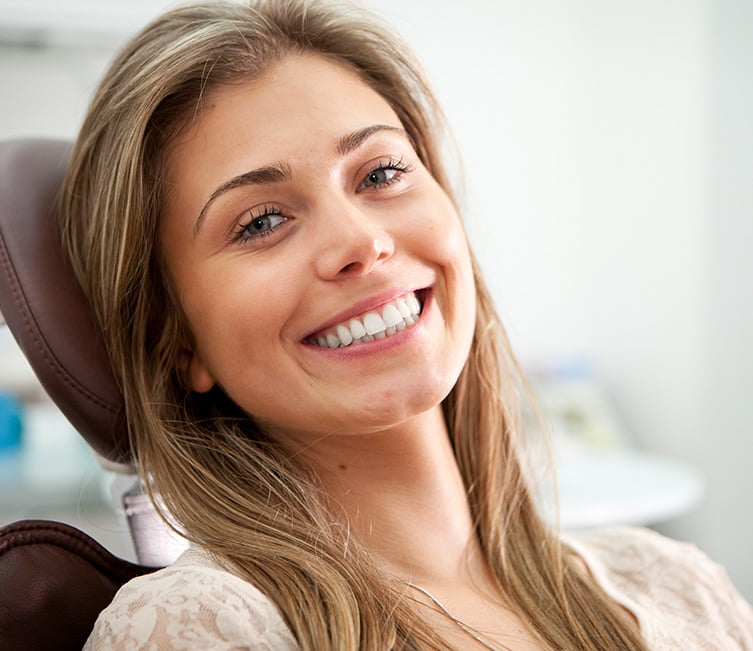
(56, 580)
(43, 304)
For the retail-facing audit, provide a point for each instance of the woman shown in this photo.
(318, 387)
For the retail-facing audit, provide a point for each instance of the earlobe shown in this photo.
(194, 372)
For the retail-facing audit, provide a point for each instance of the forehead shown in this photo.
(291, 110)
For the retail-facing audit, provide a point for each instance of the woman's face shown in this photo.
(300, 218)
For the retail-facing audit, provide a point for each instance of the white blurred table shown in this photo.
(623, 486)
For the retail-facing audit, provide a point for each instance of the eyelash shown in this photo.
(241, 235)
(398, 166)
(392, 164)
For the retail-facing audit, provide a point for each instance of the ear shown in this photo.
(196, 376)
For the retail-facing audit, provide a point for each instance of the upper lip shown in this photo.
(361, 307)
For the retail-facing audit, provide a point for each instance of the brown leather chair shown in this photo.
(54, 579)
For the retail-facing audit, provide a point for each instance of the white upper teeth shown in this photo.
(356, 329)
(345, 335)
(373, 323)
(393, 317)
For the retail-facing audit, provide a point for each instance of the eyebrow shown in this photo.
(279, 172)
(270, 174)
(354, 140)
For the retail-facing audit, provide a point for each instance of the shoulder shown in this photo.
(193, 604)
(626, 549)
(677, 593)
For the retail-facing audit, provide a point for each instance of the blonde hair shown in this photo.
(230, 487)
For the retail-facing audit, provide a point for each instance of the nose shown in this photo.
(352, 242)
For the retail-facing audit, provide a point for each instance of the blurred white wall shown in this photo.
(609, 159)
(725, 524)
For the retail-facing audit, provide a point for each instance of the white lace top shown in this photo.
(681, 599)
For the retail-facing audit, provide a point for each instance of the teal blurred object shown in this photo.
(11, 423)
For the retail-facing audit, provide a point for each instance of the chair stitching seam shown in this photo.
(114, 567)
(33, 327)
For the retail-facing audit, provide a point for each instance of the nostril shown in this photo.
(352, 266)
(354, 254)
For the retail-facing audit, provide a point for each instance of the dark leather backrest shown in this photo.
(54, 582)
(42, 302)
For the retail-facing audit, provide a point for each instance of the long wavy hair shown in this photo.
(229, 487)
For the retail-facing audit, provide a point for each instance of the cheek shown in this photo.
(235, 322)
(442, 241)
(461, 290)
(441, 230)
(445, 243)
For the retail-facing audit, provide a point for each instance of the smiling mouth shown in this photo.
(389, 319)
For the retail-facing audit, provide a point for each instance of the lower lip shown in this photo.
(379, 345)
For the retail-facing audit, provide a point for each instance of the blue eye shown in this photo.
(379, 177)
(260, 225)
(384, 174)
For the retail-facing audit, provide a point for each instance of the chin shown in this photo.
(397, 407)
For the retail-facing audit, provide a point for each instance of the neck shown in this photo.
(400, 493)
